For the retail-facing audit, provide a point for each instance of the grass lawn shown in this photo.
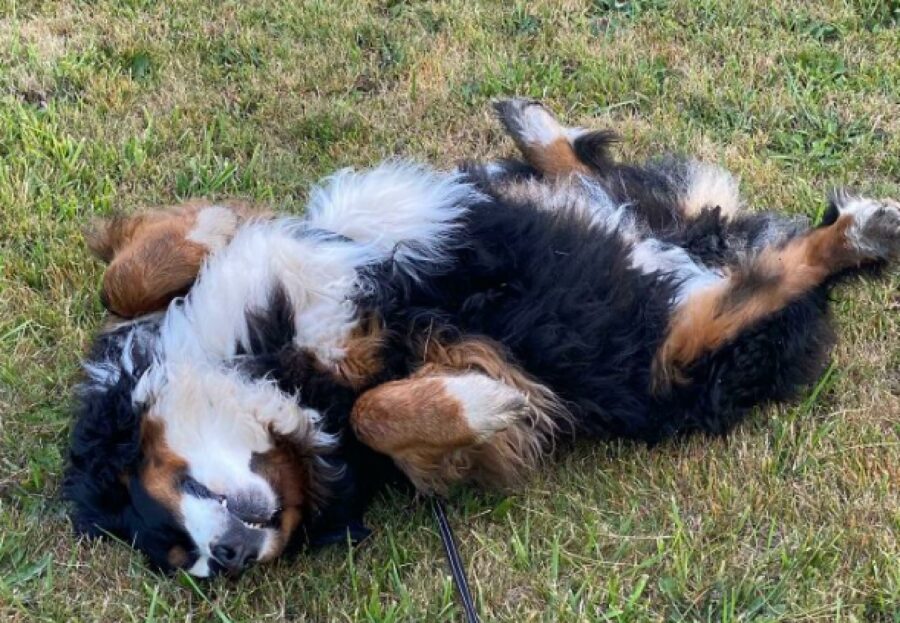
(117, 104)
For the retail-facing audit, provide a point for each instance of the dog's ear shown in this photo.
(105, 449)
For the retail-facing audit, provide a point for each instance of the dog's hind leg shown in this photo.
(661, 191)
(856, 232)
(465, 415)
(549, 146)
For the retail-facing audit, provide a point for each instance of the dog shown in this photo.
(438, 328)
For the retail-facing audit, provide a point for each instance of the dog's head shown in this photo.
(156, 462)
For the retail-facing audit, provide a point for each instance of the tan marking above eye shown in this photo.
(162, 468)
(284, 468)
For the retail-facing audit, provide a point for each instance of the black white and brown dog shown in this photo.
(446, 327)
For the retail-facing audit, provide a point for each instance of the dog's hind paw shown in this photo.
(874, 232)
(531, 124)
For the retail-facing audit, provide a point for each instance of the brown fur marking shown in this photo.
(417, 423)
(557, 159)
(484, 355)
(411, 413)
(776, 277)
(507, 457)
(162, 468)
(151, 256)
(146, 275)
(362, 360)
(425, 430)
(286, 470)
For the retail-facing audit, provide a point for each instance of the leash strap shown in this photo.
(453, 559)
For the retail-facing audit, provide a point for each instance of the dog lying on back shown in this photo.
(446, 327)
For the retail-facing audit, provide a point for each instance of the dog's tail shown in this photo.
(403, 211)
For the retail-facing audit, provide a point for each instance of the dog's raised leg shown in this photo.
(466, 415)
(546, 144)
(430, 424)
(856, 232)
(155, 255)
(558, 151)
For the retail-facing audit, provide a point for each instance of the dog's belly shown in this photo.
(563, 299)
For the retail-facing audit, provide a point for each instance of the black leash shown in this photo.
(454, 560)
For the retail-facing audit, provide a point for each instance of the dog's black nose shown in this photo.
(235, 557)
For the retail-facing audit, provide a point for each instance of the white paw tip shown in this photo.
(488, 405)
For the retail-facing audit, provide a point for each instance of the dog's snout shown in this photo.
(239, 545)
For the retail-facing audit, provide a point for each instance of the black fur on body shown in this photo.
(562, 298)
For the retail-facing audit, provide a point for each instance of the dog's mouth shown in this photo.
(252, 518)
(252, 510)
(238, 528)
